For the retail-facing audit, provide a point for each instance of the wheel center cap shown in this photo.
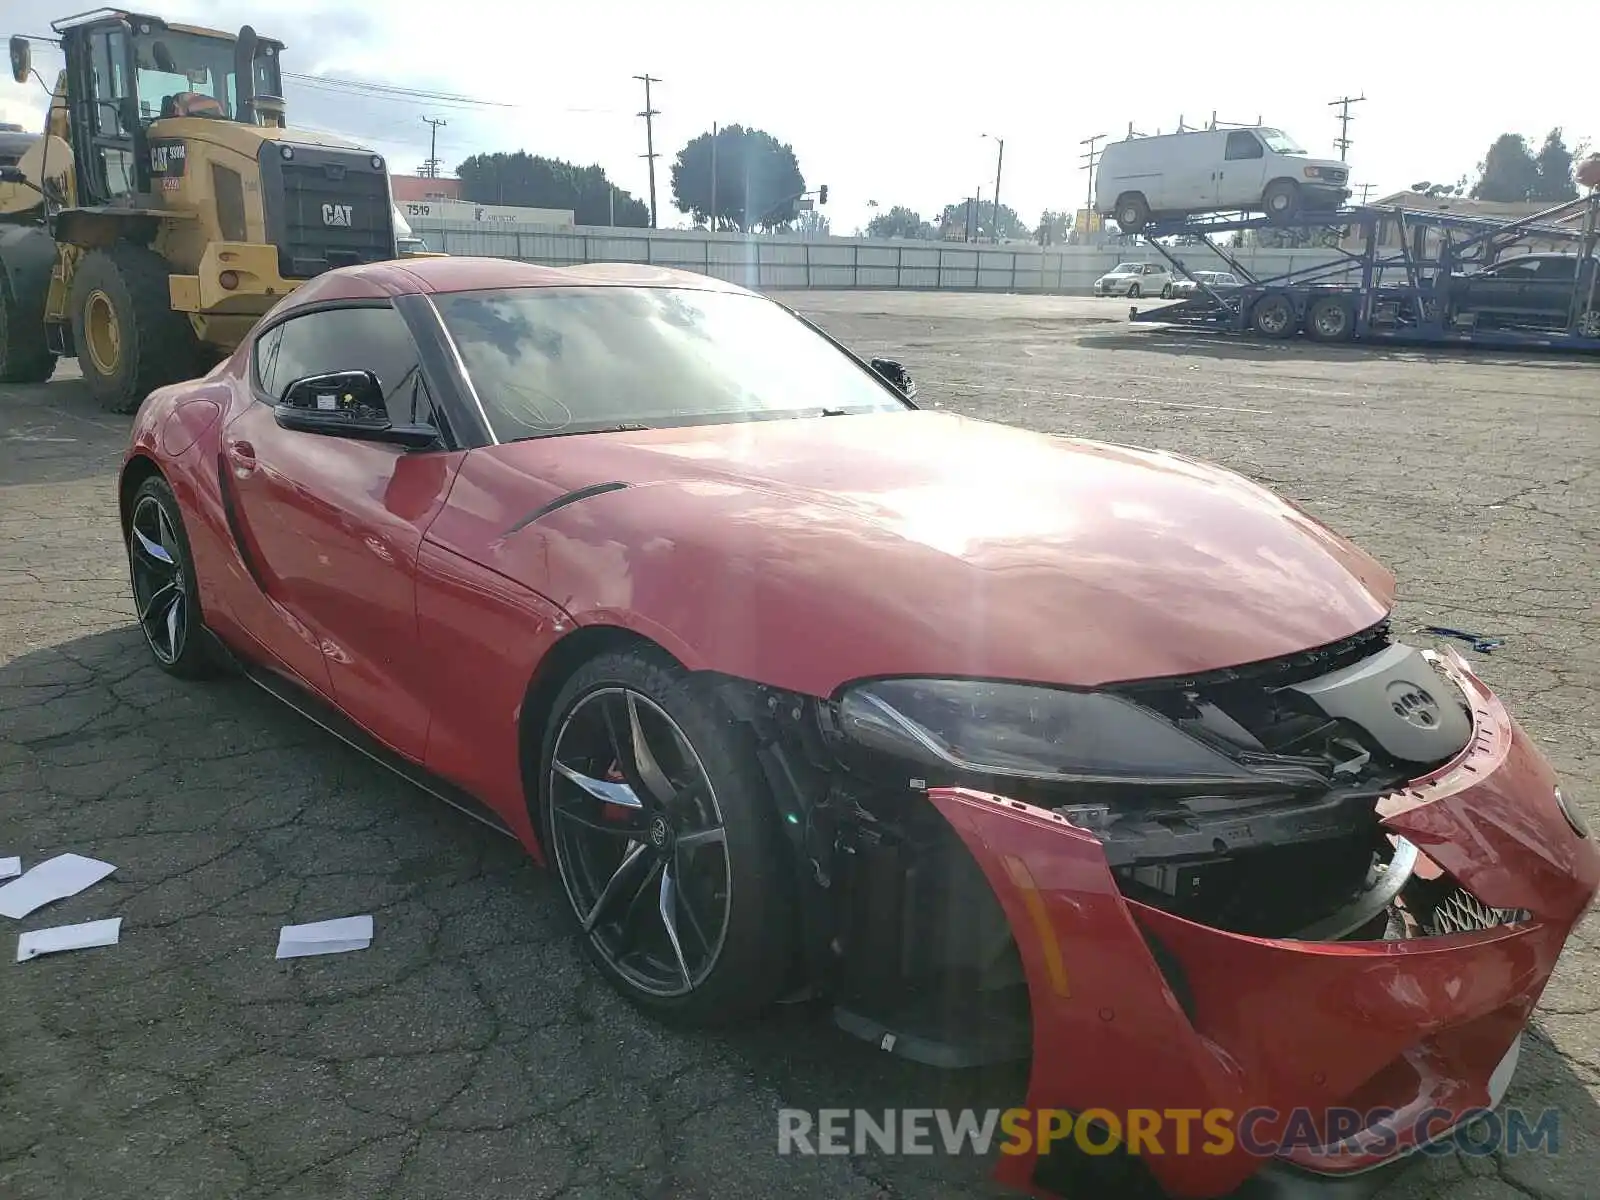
(660, 833)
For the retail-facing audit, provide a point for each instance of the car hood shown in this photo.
(808, 552)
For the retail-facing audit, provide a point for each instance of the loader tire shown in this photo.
(24, 356)
(129, 339)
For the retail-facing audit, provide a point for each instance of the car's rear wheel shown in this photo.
(657, 819)
(1133, 212)
(166, 592)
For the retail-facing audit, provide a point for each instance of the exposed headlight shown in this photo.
(1019, 730)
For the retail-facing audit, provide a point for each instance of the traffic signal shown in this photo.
(822, 194)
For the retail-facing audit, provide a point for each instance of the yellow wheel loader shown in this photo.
(166, 207)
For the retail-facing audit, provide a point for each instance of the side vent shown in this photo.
(229, 189)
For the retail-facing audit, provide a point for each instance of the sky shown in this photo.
(889, 102)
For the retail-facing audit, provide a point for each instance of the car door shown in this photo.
(1497, 289)
(1239, 177)
(337, 522)
(1547, 294)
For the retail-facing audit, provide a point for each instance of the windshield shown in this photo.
(1126, 269)
(1279, 142)
(573, 360)
(186, 74)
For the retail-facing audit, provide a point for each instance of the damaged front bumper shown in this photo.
(1271, 1043)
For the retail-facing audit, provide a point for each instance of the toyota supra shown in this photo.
(1004, 746)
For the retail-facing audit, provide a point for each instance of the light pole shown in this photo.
(1000, 162)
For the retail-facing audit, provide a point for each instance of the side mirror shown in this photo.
(21, 58)
(347, 404)
(11, 174)
(897, 376)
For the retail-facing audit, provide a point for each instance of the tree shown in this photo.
(530, 181)
(1554, 161)
(900, 222)
(757, 180)
(1508, 173)
(813, 224)
(1054, 227)
(955, 216)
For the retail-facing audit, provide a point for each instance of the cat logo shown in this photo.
(336, 214)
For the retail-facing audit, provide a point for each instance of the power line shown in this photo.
(389, 89)
(650, 114)
(1343, 104)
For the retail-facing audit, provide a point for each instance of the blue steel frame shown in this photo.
(1412, 308)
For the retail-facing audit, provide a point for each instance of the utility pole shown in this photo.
(433, 145)
(1089, 160)
(1366, 190)
(649, 114)
(1343, 104)
(1000, 163)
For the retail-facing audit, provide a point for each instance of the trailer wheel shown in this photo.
(1281, 200)
(24, 356)
(1589, 324)
(1133, 213)
(1273, 316)
(130, 341)
(1330, 319)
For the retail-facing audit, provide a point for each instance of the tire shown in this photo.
(1166, 292)
(1281, 200)
(129, 339)
(1133, 291)
(166, 594)
(1133, 213)
(735, 957)
(24, 356)
(1330, 319)
(1273, 316)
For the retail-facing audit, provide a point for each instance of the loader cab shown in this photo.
(126, 72)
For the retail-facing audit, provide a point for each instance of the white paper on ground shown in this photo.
(54, 879)
(69, 937)
(325, 937)
(10, 868)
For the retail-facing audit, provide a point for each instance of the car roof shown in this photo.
(414, 276)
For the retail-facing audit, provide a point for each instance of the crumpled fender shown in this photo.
(1275, 1023)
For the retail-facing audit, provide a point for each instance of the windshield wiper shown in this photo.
(624, 427)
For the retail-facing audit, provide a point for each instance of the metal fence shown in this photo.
(785, 262)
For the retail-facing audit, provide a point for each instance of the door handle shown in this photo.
(243, 457)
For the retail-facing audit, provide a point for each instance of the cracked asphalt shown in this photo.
(471, 1052)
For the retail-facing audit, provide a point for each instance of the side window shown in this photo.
(1242, 144)
(265, 360)
(347, 339)
(1561, 268)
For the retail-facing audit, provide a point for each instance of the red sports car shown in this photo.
(1007, 745)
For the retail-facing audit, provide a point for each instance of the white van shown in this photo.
(1214, 170)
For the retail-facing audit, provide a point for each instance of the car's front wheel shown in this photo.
(166, 592)
(1133, 291)
(659, 824)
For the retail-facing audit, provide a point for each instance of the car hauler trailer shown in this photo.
(1450, 280)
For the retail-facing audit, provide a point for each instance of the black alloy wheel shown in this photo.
(659, 824)
(166, 595)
